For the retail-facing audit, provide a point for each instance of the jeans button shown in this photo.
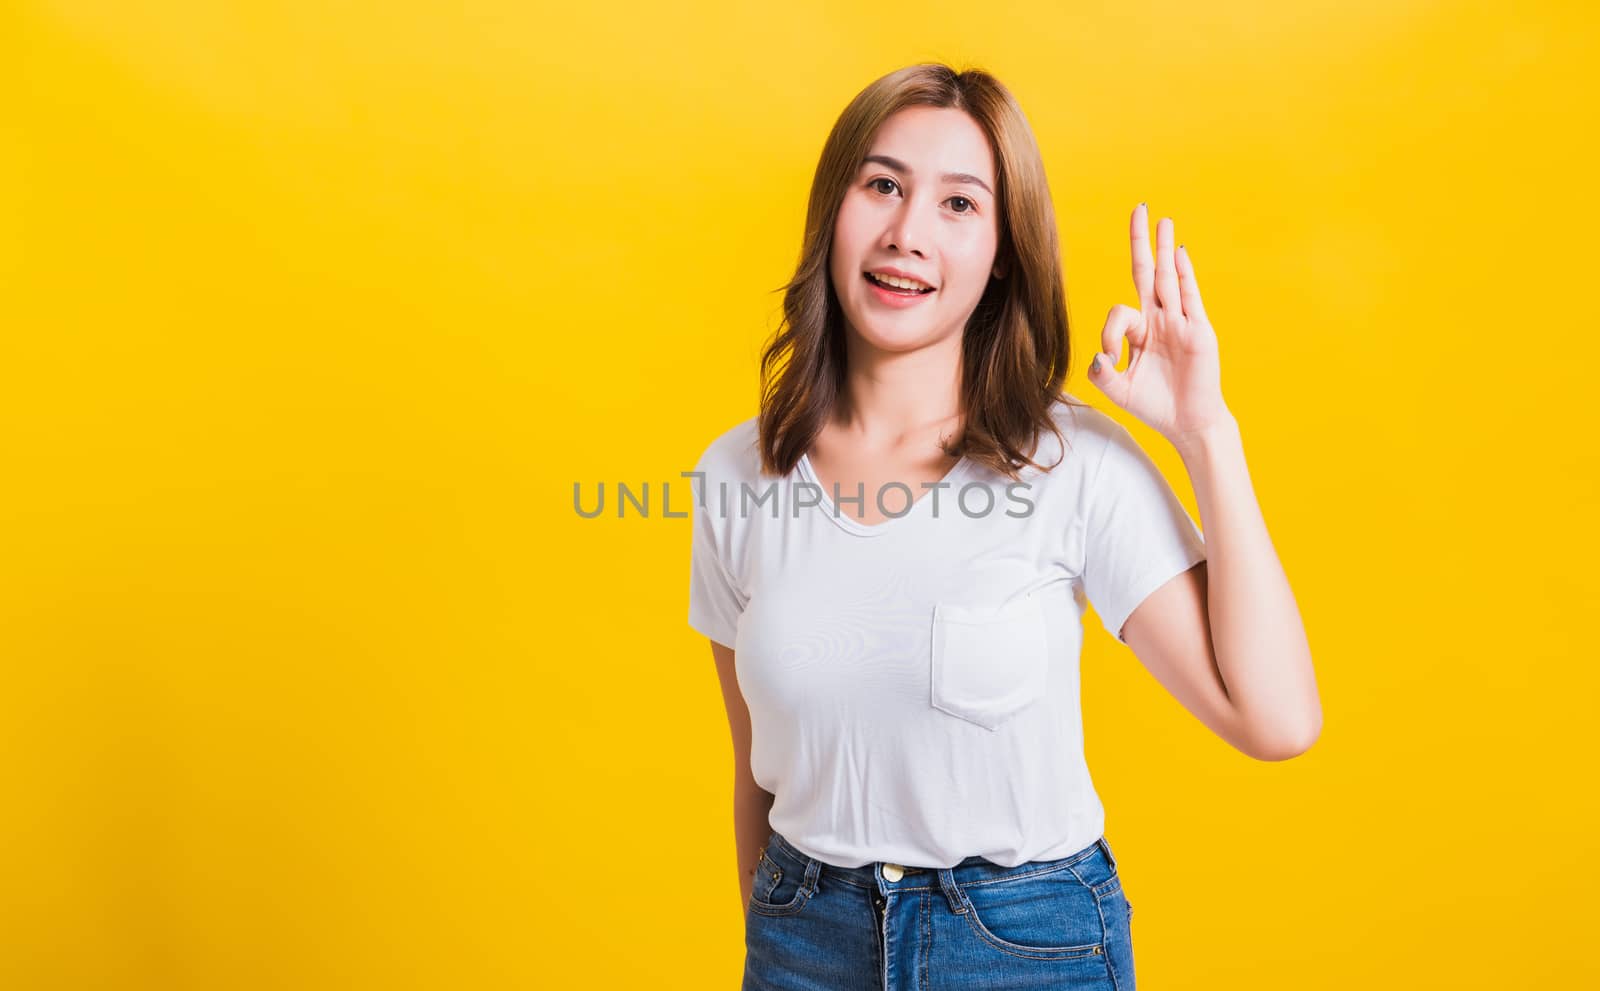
(893, 872)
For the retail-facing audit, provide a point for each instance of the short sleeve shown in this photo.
(715, 601)
(1137, 535)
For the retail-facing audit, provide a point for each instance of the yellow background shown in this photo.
(317, 312)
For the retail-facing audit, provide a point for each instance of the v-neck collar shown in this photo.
(852, 524)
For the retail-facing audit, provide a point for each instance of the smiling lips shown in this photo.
(894, 298)
(896, 283)
(900, 287)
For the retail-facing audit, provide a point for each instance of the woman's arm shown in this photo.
(1260, 640)
(751, 803)
(1226, 638)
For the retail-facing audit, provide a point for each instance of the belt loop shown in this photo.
(813, 872)
(952, 892)
(1105, 846)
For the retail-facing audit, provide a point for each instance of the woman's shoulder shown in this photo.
(734, 454)
(1085, 431)
(1070, 411)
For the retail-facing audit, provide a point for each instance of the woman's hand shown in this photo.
(1173, 382)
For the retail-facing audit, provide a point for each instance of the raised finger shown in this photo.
(1166, 272)
(1189, 288)
(1144, 266)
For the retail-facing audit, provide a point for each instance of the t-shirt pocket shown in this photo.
(988, 662)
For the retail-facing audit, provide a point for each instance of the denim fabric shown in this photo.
(1043, 924)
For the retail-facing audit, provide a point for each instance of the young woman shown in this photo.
(892, 561)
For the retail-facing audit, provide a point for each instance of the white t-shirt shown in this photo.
(913, 684)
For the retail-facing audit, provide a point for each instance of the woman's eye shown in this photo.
(971, 206)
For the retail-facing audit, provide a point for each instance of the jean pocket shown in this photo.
(988, 662)
(1052, 916)
(782, 885)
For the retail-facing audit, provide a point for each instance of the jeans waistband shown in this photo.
(972, 870)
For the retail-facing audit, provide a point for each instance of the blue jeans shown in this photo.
(1043, 924)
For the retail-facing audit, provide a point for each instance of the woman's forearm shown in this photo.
(1259, 639)
(751, 805)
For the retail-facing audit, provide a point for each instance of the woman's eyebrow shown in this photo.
(956, 177)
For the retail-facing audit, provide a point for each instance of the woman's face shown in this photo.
(923, 203)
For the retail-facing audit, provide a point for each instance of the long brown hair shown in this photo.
(1015, 348)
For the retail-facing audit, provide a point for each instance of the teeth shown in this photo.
(897, 282)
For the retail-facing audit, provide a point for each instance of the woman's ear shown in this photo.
(1002, 263)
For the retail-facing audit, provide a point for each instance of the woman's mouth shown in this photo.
(893, 294)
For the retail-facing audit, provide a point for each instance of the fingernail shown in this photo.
(1094, 366)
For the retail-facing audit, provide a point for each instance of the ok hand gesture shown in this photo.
(1173, 382)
